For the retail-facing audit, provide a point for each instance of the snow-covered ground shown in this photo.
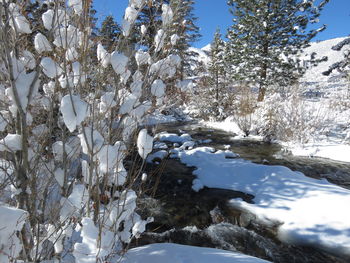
(323, 104)
(173, 253)
(308, 211)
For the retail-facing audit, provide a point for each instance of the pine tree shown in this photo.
(266, 37)
(217, 71)
(185, 28)
(109, 32)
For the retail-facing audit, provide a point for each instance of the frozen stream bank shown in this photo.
(304, 211)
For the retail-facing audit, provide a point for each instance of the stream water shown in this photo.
(204, 218)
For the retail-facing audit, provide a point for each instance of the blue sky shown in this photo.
(214, 13)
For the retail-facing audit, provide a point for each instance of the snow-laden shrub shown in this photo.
(69, 115)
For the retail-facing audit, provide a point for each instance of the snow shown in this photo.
(159, 155)
(143, 29)
(174, 253)
(144, 143)
(74, 111)
(158, 88)
(130, 14)
(20, 24)
(142, 58)
(50, 67)
(119, 62)
(11, 221)
(172, 137)
(41, 43)
(77, 5)
(11, 143)
(330, 150)
(167, 14)
(28, 59)
(173, 39)
(311, 212)
(111, 157)
(103, 56)
(159, 39)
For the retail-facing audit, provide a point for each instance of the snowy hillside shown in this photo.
(313, 74)
(324, 48)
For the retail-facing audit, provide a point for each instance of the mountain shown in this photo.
(314, 73)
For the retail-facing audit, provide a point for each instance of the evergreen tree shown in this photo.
(266, 37)
(217, 71)
(187, 32)
(109, 32)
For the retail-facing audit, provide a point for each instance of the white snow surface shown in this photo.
(144, 143)
(174, 253)
(11, 143)
(330, 150)
(311, 212)
(173, 137)
(11, 221)
(41, 43)
(74, 111)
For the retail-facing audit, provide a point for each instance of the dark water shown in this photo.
(204, 218)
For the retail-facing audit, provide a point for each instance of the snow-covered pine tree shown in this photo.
(266, 37)
(217, 72)
(109, 33)
(183, 33)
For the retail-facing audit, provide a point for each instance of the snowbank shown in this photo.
(174, 253)
(338, 152)
(311, 212)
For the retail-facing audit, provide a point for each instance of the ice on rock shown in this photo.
(144, 143)
(11, 143)
(167, 14)
(41, 43)
(74, 111)
(50, 67)
(159, 39)
(158, 88)
(119, 62)
(103, 56)
(11, 221)
(142, 58)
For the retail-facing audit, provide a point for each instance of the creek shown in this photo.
(205, 219)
